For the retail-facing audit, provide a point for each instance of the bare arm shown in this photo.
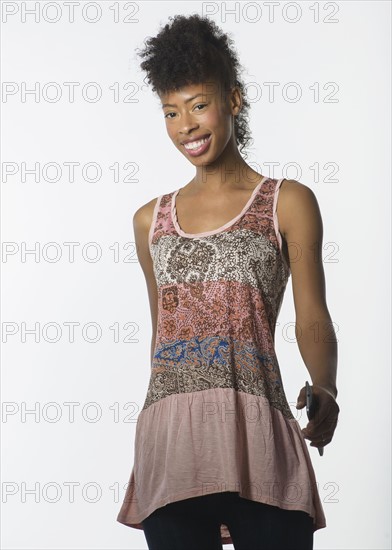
(301, 225)
(141, 225)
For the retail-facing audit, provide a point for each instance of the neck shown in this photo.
(228, 170)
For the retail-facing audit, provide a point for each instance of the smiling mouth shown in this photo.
(193, 145)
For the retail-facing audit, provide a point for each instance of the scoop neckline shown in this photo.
(219, 229)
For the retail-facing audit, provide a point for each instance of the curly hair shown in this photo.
(192, 50)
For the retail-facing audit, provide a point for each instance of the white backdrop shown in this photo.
(76, 326)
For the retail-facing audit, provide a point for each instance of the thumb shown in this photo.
(301, 401)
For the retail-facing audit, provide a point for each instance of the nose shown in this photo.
(187, 124)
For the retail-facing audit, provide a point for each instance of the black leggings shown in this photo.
(194, 524)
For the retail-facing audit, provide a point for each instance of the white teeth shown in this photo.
(195, 144)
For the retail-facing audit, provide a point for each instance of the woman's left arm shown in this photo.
(301, 225)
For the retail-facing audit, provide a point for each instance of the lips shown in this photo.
(194, 139)
(199, 147)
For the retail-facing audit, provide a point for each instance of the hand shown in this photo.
(321, 427)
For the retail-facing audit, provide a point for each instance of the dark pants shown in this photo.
(194, 524)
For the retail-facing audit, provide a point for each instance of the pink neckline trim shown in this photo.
(213, 231)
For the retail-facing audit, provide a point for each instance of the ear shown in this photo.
(235, 101)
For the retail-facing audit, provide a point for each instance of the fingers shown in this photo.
(320, 432)
(301, 399)
(321, 427)
(321, 441)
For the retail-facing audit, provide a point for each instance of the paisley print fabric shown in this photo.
(219, 296)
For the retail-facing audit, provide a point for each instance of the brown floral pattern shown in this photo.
(219, 297)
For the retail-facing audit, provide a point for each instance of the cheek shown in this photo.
(212, 120)
(171, 132)
(218, 122)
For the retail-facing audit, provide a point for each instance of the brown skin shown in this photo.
(218, 192)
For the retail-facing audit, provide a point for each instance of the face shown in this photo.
(200, 120)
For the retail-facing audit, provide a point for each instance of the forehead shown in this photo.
(187, 93)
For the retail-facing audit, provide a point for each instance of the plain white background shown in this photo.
(70, 404)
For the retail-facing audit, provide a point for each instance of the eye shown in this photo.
(202, 105)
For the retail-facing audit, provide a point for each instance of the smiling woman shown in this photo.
(200, 120)
(219, 455)
(193, 50)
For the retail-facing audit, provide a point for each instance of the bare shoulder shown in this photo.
(142, 218)
(293, 190)
(297, 205)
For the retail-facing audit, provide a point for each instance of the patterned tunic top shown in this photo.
(216, 417)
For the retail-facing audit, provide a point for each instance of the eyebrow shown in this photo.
(186, 101)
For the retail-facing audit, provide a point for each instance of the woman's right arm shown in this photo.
(142, 220)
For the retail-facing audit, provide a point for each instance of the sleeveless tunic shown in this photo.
(216, 417)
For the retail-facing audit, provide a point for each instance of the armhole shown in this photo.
(275, 213)
(153, 221)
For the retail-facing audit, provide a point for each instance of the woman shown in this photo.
(219, 456)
